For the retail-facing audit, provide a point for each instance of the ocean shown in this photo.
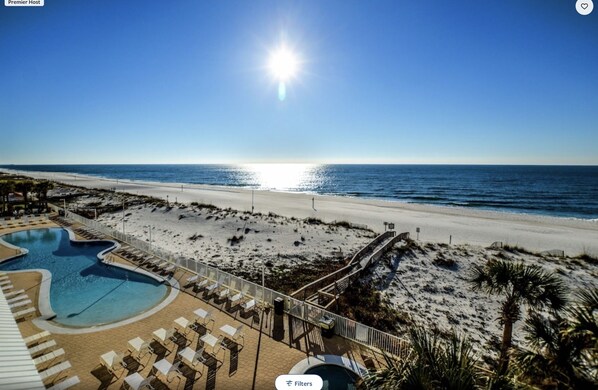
(563, 191)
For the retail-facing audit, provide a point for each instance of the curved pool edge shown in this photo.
(22, 251)
(45, 307)
(323, 360)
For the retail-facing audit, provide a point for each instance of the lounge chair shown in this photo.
(203, 317)
(169, 269)
(163, 336)
(112, 361)
(3, 278)
(166, 368)
(5, 282)
(13, 293)
(54, 370)
(17, 298)
(182, 325)
(19, 304)
(192, 279)
(223, 293)
(193, 357)
(49, 357)
(233, 333)
(248, 306)
(6, 287)
(36, 338)
(236, 298)
(39, 348)
(136, 382)
(140, 346)
(211, 288)
(23, 313)
(65, 384)
(201, 284)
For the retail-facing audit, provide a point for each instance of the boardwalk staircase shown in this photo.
(325, 291)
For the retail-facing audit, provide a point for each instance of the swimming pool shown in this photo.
(83, 291)
(334, 377)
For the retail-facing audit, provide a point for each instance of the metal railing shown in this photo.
(344, 327)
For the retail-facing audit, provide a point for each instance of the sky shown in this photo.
(463, 81)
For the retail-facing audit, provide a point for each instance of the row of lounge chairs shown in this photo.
(19, 303)
(88, 234)
(60, 220)
(48, 360)
(214, 288)
(147, 261)
(187, 356)
(27, 220)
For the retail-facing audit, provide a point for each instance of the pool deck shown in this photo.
(265, 352)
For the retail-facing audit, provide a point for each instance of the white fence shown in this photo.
(344, 327)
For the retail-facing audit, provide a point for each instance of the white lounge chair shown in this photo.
(3, 278)
(5, 282)
(168, 269)
(39, 348)
(6, 287)
(192, 279)
(166, 368)
(54, 370)
(50, 356)
(139, 346)
(201, 284)
(136, 382)
(36, 338)
(236, 298)
(232, 333)
(223, 293)
(17, 298)
(182, 325)
(13, 293)
(192, 357)
(203, 317)
(164, 336)
(23, 313)
(113, 361)
(19, 304)
(65, 384)
(212, 287)
(248, 306)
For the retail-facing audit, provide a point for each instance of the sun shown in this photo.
(283, 64)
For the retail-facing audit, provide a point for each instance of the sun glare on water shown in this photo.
(282, 177)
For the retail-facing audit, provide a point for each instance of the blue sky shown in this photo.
(493, 81)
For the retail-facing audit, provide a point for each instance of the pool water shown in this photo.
(334, 377)
(84, 292)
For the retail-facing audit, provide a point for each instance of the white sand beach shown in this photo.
(437, 224)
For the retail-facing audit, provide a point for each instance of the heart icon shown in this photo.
(584, 5)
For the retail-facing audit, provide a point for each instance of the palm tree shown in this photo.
(41, 189)
(433, 363)
(520, 284)
(561, 352)
(25, 187)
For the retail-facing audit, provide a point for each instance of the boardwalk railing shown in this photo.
(344, 327)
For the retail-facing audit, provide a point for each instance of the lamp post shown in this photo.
(64, 206)
(252, 203)
(123, 216)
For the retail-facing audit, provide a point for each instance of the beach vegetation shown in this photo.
(431, 361)
(560, 351)
(590, 259)
(313, 221)
(363, 303)
(519, 284)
